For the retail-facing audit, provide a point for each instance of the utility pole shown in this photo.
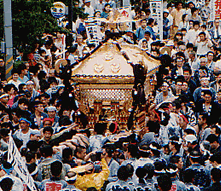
(8, 37)
(70, 23)
(70, 14)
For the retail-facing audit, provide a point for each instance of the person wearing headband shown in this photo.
(172, 171)
(3, 103)
(201, 176)
(164, 95)
(24, 132)
(7, 171)
(71, 178)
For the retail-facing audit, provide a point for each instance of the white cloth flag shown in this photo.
(15, 158)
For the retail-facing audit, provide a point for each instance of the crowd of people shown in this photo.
(178, 149)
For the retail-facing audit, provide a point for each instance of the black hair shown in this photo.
(164, 182)
(46, 150)
(130, 170)
(183, 17)
(29, 156)
(159, 165)
(173, 167)
(149, 170)
(21, 86)
(212, 138)
(66, 153)
(122, 173)
(14, 71)
(141, 173)
(188, 176)
(202, 33)
(174, 159)
(23, 100)
(218, 130)
(6, 184)
(208, 92)
(18, 142)
(187, 69)
(193, 10)
(56, 168)
(48, 128)
(64, 120)
(216, 174)
(196, 23)
(4, 132)
(33, 145)
(52, 80)
(100, 128)
(21, 67)
(8, 87)
(91, 189)
(147, 32)
(189, 131)
(112, 127)
(133, 150)
(150, 21)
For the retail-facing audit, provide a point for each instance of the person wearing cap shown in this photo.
(88, 9)
(24, 131)
(164, 95)
(201, 176)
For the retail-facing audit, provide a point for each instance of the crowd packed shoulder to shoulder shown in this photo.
(178, 149)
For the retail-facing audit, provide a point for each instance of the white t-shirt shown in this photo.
(24, 137)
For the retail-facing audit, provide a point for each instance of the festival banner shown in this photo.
(125, 16)
(93, 31)
(18, 163)
(156, 7)
(218, 9)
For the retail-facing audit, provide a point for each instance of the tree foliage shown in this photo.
(30, 19)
